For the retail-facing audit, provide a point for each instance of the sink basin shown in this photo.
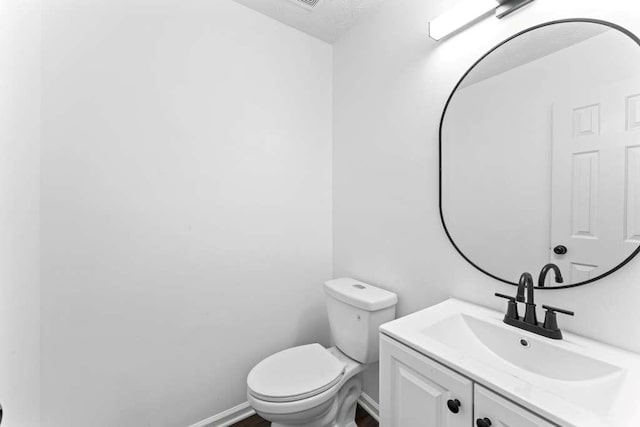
(574, 382)
(494, 343)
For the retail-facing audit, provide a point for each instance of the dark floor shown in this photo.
(363, 419)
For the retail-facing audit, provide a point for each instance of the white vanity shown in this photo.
(457, 364)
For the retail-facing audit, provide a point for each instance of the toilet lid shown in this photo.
(295, 374)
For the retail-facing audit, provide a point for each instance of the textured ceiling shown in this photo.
(532, 46)
(328, 20)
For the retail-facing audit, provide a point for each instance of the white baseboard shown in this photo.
(228, 417)
(369, 405)
(244, 410)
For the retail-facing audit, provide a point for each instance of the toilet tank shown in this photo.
(356, 311)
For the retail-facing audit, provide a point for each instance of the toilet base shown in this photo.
(341, 411)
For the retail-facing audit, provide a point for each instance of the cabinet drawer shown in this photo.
(416, 391)
(501, 412)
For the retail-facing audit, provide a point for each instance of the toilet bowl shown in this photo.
(312, 386)
(306, 386)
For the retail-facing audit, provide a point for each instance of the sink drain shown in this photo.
(525, 343)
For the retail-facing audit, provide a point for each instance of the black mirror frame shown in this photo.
(623, 30)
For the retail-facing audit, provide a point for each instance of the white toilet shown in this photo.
(312, 386)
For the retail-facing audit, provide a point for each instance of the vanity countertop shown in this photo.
(571, 382)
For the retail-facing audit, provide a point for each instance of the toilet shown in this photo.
(314, 386)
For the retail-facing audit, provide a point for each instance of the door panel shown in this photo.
(414, 390)
(20, 103)
(632, 187)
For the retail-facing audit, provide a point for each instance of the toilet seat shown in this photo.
(295, 374)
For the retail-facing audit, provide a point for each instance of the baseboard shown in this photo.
(228, 417)
(244, 410)
(369, 405)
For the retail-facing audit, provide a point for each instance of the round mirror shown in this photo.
(540, 154)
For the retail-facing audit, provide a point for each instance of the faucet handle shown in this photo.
(550, 321)
(510, 298)
(512, 306)
(558, 310)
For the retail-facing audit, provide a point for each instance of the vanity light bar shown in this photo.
(467, 12)
(461, 15)
(510, 6)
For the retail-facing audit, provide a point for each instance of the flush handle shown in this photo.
(483, 422)
(454, 405)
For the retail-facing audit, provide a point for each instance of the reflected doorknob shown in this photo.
(560, 250)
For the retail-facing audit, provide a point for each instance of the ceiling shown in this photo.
(532, 46)
(327, 20)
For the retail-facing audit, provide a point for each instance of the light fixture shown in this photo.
(509, 6)
(467, 12)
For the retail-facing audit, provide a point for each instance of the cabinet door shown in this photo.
(502, 413)
(415, 390)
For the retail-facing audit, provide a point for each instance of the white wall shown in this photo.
(390, 85)
(185, 206)
(497, 175)
(19, 191)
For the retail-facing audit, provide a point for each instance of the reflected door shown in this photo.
(595, 194)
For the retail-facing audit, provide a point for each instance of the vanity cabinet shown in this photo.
(418, 391)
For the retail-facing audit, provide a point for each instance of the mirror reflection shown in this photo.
(540, 146)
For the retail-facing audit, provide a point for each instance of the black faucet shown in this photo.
(529, 322)
(545, 270)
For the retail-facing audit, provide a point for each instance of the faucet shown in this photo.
(549, 328)
(526, 282)
(545, 270)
